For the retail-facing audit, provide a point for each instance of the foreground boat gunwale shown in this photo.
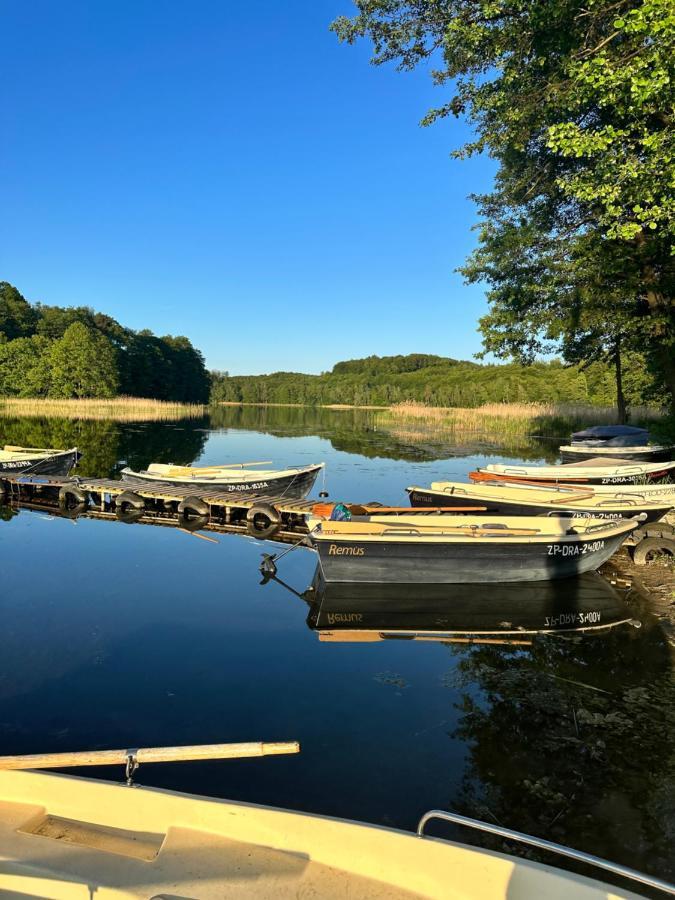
(407, 528)
(389, 857)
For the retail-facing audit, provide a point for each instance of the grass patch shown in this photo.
(121, 409)
(504, 420)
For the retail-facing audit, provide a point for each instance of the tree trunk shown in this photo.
(667, 360)
(620, 398)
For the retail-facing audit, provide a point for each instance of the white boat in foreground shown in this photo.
(63, 837)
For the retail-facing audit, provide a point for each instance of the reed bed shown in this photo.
(508, 420)
(121, 409)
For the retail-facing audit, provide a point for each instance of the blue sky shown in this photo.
(231, 172)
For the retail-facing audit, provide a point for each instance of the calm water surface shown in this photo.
(116, 635)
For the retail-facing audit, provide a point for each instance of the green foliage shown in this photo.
(387, 380)
(82, 364)
(575, 103)
(23, 367)
(17, 316)
(51, 351)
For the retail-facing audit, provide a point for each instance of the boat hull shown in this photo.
(57, 464)
(573, 454)
(656, 476)
(507, 507)
(292, 487)
(461, 562)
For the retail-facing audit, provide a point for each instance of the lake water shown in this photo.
(115, 635)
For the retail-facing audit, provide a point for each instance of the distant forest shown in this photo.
(63, 352)
(440, 381)
(53, 351)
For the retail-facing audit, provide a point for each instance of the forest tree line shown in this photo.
(64, 352)
(441, 381)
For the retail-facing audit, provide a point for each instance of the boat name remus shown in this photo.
(337, 550)
(574, 549)
(344, 617)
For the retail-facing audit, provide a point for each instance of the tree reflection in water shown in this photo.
(106, 445)
(572, 739)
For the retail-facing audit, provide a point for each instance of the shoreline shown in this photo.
(113, 408)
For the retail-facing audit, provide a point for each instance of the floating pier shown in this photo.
(160, 503)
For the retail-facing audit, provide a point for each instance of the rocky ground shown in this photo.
(655, 582)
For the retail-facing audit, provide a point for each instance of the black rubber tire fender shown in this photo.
(128, 500)
(647, 546)
(128, 514)
(72, 512)
(193, 524)
(263, 520)
(71, 496)
(193, 507)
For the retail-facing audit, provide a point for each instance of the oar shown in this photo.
(147, 755)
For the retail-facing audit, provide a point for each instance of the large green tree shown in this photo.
(82, 364)
(575, 101)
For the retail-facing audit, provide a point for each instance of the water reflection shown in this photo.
(113, 636)
(496, 613)
(377, 433)
(108, 446)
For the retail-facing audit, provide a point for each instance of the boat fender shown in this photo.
(193, 507)
(129, 500)
(70, 496)
(128, 514)
(651, 547)
(263, 520)
(195, 524)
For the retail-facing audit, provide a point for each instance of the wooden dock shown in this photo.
(160, 502)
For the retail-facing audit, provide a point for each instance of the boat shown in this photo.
(595, 471)
(37, 461)
(612, 436)
(537, 500)
(442, 549)
(451, 613)
(70, 837)
(609, 442)
(580, 452)
(239, 478)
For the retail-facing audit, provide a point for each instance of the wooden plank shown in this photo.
(147, 755)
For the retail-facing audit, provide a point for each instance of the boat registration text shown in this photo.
(574, 549)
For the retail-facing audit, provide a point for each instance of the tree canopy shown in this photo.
(575, 102)
(52, 351)
(385, 380)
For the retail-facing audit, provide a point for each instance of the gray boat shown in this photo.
(442, 549)
(239, 478)
(37, 461)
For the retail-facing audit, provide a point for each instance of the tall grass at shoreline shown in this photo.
(504, 420)
(121, 409)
